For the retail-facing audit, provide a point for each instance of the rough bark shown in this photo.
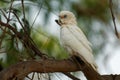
(22, 69)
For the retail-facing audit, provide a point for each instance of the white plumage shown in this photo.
(73, 39)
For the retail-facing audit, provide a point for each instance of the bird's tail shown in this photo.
(94, 66)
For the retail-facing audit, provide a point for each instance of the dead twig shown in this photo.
(113, 18)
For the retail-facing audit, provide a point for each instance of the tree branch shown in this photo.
(44, 66)
(22, 69)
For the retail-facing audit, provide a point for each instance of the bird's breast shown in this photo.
(65, 35)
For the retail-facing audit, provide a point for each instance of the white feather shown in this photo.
(80, 36)
(73, 39)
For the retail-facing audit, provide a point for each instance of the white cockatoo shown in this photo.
(73, 39)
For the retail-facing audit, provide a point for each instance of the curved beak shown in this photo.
(58, 22)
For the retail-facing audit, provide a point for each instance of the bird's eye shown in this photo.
(65, 16)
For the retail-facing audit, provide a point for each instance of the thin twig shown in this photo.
(33, 75)
(113, 18)
(8, 32)
(22, 1)
(28, 77)
(3, 13)
(18, 19)
(37, 14)
(8, 19)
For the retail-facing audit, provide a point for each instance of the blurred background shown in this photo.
(93, 16)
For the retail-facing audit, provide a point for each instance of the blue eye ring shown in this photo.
(65, 16)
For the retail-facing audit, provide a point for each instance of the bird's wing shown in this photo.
(76, 31)
(76, 43)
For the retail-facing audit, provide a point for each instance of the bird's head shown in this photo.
(66, 18)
